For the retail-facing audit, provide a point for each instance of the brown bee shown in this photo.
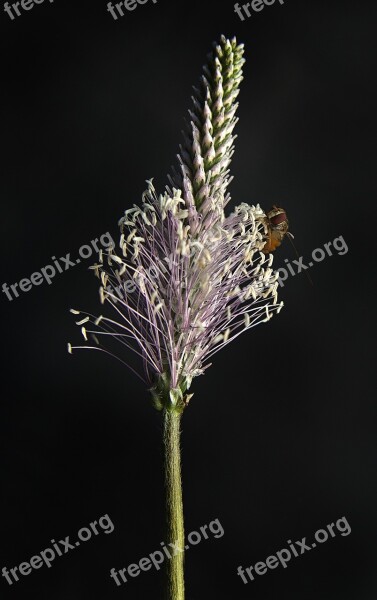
(277, 228)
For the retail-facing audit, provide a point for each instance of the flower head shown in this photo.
(189, 279)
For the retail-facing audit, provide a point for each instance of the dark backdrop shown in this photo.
(279, 439)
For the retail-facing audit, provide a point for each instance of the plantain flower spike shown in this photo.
(188, 278)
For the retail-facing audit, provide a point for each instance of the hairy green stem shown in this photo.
(174, 505)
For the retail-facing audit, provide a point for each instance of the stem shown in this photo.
(174, 505)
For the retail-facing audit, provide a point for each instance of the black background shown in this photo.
(279, 439)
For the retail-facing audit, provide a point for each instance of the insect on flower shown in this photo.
(277, 225)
